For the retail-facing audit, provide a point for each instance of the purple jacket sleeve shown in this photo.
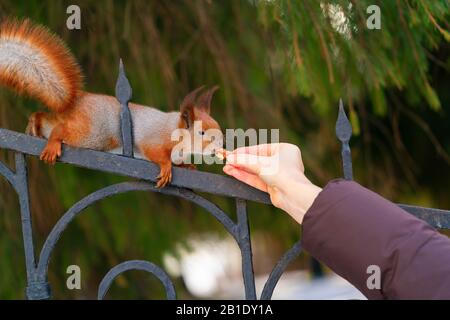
(350, 228)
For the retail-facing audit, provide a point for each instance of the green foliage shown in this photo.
(330, 58)
(280, 64)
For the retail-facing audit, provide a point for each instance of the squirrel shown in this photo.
(35, 62)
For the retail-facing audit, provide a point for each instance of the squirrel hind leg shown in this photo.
(34, 126)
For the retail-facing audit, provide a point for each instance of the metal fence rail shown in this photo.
(183, 185)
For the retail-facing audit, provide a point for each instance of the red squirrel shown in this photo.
(35, 62)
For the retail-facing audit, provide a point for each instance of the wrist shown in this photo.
(299, 194)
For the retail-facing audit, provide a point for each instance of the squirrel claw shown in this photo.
(50, 153)
(164, 177)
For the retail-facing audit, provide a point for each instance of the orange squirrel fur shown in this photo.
(35, 62)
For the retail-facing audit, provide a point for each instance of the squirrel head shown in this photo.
(195, 117)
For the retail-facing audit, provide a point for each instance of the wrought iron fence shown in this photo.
(183, 185)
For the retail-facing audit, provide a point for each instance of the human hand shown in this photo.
(278, 170)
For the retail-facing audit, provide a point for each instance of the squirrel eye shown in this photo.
(202, 133)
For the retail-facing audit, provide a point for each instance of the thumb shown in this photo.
(248, 162)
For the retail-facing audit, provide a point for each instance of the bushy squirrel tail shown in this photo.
(35, 62)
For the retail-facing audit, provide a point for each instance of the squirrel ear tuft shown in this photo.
(204, 101)
(187, 107)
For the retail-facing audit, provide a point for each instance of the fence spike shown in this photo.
(344, 133)
(123, 95)
(343, 126)
(123, 88)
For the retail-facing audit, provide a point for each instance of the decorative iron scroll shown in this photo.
(137, 265)
(183, 185)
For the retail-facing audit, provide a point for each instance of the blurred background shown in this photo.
(279, 64)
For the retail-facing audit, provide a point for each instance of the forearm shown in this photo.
(350, 228)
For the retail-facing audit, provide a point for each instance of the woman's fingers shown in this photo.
(249, 162)
(260, 149)
(245, 177)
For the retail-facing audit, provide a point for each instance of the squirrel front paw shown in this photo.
(51, 152)
(164, 177)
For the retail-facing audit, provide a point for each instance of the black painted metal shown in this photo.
(21, 185)
(436, 217)
(124, 93)
(137, 265)
(278, 270)
(115, 189)
(246, 249)
(344, 133)
(182, 186)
